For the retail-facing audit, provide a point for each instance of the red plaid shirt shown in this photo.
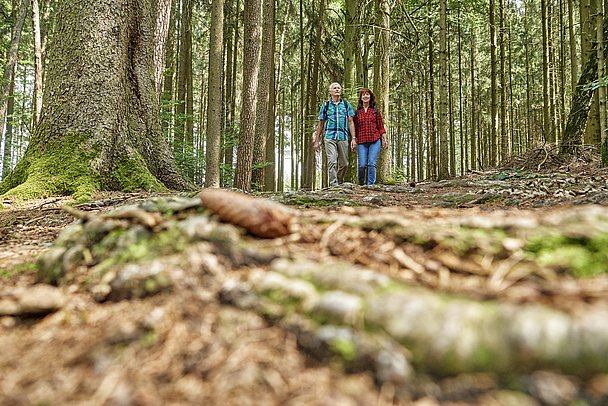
(369, 125)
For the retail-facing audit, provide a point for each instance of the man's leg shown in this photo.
(342, 160)
(331, 150)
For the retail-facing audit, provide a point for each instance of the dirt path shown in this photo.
(187, 345)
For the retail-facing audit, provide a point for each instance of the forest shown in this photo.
(464, 85)
(169, 235)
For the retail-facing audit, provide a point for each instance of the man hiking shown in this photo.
(336, 121)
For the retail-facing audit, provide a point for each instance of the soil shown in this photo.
(204, 351)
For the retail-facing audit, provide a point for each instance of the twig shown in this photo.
(544, 160)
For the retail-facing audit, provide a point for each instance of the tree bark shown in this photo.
(251, 65)
(11, 57)
(7, 157)
(163, 18)
(581, 102)
(37, 96)
(385, 158)
(99, 126)
(493, 85)
(443, 92)
(262, 121)
(214, 90)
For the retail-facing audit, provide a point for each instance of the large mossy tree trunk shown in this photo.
(99, 128)
(581, 102)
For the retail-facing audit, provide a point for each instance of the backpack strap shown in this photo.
(324, 110)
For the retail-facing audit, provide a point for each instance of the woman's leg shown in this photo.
(362, 162)
(372, 158)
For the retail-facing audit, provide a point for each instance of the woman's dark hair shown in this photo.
(372, 98)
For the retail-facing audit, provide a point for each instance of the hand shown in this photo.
(353, 144)
(384, 143)
(316, 145)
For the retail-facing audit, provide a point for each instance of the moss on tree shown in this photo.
(66, 168)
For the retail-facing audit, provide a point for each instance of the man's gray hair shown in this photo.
(334, 83)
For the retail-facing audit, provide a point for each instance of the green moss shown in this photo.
(63, 169)
(581, 256)
(19, 268)
(148, 339)
(163, 243)
(131, 174)
(345, 348)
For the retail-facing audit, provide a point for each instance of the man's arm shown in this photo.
(318, 132)
(351, 128)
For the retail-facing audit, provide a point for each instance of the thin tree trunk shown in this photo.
(443, 96)
(384, 161)
(572, 43)
(493, 85)
(163, 19)
(11, 57)
(601, 91)
(37, 96)
(184, 68)
(7, 162)
(263, 94)
(350, 40)
(430, 105)
(214, 89)
(473, 102)
(169, 72)
(251, 66)
(504, 135)
(308, 174)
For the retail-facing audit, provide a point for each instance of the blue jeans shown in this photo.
(367, 155)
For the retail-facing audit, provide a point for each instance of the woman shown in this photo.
(370, 136)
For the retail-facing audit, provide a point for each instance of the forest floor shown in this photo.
(189, 345)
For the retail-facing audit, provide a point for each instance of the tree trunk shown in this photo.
(493, 85)
(169, 69)
(37, 96)
(310, 117)
(99, 126)
(592, 130)
(263, 92)
(473, 54)
(180, 142)
(443, 93)
(581, 101)
(504, 138)
(350, 39)
(11, 57)
(384, 160)
(572, 45)
(214, 90)
(163, 18)
(7, 157)
(601, 91)
(251, 65)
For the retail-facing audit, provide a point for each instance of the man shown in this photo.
(336, 120)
